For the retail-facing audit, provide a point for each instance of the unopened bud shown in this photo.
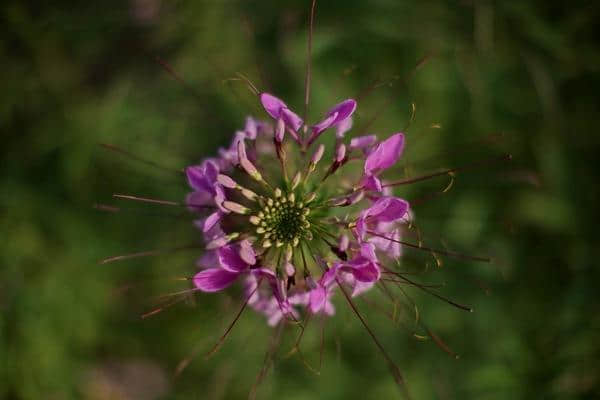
(246, 164)
(343, 243)
(249, 194)
(318, 154)
(279, 130)
(290, 270)
(221, 241)
(226, 181)
(289, 252)
(235, 207)
(340, 153)
(296, 180)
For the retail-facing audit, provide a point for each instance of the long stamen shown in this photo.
(161, 202)
(440, 343)
(303, 327)
(251, 86)
(221, 340)
(163, 307)
(135, 157)
(436, 251)
(505, 157)
(146, 199)
(307, 78)
(314, 160)
(431, 292)
(377, 83)
(391, 364)
(114, 210)
(148, 253)
(269, 354)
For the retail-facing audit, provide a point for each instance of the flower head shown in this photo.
(292, 242)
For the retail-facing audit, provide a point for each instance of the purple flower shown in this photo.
(363, 143)
(255, 228)
(319, 298)
(265, 297)
(392, 248)
(234, 260)
(214, 279)
(202, 178)
(339, 114)
(364, 267)
(208, 192)
(277, 109)
(385, 209)
(382, 157)
(342, 127)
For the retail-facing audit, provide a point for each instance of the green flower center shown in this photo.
(282, 220)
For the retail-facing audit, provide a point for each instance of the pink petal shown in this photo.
(251, 128)
(361, 287)
(214, 279)
(387, 209)
(196, 200)
(317, 299)
(329, 276)
(202, 177)
(196, 179)
(363, 142)
(340, 112)
(291, 119)
(367, 250)
(385, 154)
(208, 259)
(301, 298)
(371, 182)
(230, 259)
(361, 228)
(343, 127)
(247, 252)
(211, 220)
(276, 108)
(368, 272)
(272, 105)
(344, 110)
(324, 124)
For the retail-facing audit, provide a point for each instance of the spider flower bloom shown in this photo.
(291, 219)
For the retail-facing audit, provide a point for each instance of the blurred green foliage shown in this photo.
(517, 76)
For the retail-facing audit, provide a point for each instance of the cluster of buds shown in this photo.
(290, 226)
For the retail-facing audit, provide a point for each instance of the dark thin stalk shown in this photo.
(308, 75)
(434, 251)
(148, 253)
(505, 157)
(137, 158)
(395, 371)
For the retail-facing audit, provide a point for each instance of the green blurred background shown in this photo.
(518, 77)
